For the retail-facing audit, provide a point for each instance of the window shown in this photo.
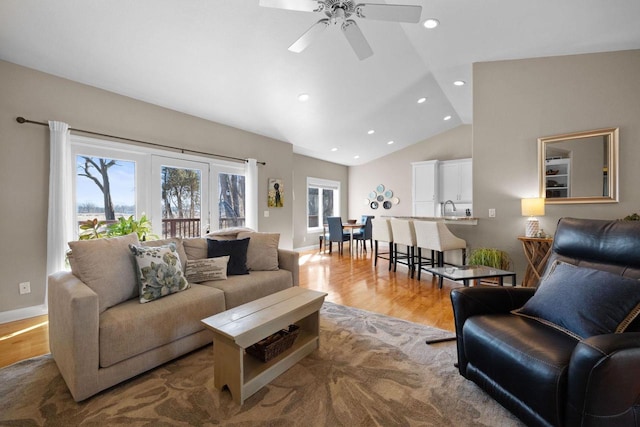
(323, 200)
(113, 180)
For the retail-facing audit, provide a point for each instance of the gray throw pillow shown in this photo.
(107, 267)
(584, 302)
(262, 253)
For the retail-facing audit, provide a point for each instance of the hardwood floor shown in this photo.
(348, 280)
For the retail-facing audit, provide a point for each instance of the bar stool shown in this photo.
(381, 232)
(436, 236)
(403, 234)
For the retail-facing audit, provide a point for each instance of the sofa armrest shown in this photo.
(603, 387)
(73, 332)
(478, 300)
(288, 260)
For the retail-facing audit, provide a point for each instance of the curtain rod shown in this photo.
(22, 120)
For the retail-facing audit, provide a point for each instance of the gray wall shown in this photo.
(394, 171)
(304, 167)
(515, 102)
(24, 164)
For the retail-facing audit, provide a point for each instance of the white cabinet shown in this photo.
(558, 178)
(456, 181)
(425, 188)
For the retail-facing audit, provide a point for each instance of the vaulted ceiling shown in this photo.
(227, 61)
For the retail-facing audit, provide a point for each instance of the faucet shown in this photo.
(444, 207)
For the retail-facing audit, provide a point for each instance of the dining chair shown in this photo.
(436, 236)
(336, 234)
(381, 232)
(365, 233)
(404, 235)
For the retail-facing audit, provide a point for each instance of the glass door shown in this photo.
(180, 197)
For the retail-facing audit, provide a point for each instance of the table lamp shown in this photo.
(532, 208)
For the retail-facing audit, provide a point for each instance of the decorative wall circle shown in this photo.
(386, 204)
(380, 198)
(366, 202)
(372, 195)
(395, 200)
(380, 188)
(374, 205)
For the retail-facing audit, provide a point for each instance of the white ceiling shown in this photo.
(227, 61)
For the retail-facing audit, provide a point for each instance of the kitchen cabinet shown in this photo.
(455, 181)
(425, 188)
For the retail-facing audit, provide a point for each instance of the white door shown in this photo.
(180, 197)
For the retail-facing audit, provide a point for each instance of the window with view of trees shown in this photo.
(231, 205)
(322, 201)
(105, 188)
(113, 180)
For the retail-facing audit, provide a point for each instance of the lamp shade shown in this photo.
(532, 207)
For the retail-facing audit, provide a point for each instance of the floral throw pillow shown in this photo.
(159, 271)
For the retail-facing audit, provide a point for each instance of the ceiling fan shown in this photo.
(339, 12)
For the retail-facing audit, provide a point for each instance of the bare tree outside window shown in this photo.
(231, 206)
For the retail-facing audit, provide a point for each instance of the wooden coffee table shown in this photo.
(236, 329)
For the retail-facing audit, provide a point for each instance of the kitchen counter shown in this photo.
(457, 220)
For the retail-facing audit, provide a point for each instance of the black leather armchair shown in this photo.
(545, 376)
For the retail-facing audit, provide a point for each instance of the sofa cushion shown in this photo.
(163, 242)
(202, 270)
(229, 233)
(257, 284)
(130, 328)
(583, 301)
(235, 249)
(106, 266)
(262, 253)
(195, 248)
(159, 271)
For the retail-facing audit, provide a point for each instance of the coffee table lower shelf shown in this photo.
(240, 327)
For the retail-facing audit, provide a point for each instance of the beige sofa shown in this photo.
(99, 332)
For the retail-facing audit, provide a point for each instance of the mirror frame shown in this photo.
(612, 152)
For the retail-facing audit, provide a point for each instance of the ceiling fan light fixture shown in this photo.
(431, 23)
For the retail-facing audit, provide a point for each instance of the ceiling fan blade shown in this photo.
(309, 36)
(300, 5)
(356, 39)
(389, 12)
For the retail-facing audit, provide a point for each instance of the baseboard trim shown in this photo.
(23, 313)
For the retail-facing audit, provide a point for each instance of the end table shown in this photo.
(537, 251)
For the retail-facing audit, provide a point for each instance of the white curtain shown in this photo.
(251, 193)
(60, 200)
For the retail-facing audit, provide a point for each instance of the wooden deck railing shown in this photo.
(181, 227)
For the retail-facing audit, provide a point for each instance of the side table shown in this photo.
(537, 251)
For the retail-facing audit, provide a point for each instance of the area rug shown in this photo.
(370, 370)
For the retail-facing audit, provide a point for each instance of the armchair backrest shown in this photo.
(608, 245)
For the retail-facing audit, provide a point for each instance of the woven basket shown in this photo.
(275, 344)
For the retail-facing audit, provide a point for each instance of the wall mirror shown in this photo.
(579, 167)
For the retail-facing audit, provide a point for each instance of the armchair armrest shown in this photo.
(603, 387)
(288, 260)
(468, 302)
(73, 332)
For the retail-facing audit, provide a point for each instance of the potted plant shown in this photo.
(490, 257)
(95, 229)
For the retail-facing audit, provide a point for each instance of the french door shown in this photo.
(180, 197)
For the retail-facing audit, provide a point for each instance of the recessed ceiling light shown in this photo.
(356, 157)
(447, 118)
(390, 142)
(303, 97)
(459, 83)
(334, 149)
(431, 23)
(371, 132)
(421, 100)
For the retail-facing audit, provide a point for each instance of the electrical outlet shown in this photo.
(25, 288)
(492, 213)
(266, 214)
